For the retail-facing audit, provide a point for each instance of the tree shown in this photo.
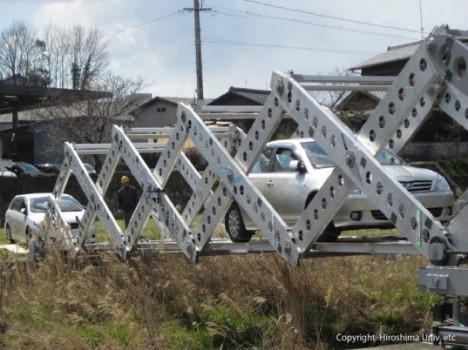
(63, 58)
(18, 52)
(55, 55)
(355, 111)
(76, 56)
(87, 55)
(76, 120)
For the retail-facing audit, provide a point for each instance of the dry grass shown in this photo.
(230, 302)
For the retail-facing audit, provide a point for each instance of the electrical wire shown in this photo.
(244, 43)
(254, 14)
(145, 23)
(257, 44)
(333, 17)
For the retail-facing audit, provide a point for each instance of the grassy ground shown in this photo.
(229, 302)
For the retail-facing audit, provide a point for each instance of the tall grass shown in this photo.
(229, 302)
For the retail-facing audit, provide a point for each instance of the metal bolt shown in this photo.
(287, 249)
(350, 159)
(280, 86)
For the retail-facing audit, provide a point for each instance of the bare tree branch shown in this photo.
(74, 119)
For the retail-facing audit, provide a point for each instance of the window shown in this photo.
(262, 165)
(15, 205)
(39, 205)
(160, 109)
(317, 155)
(70, 204)
(282, 159)
(22, 206)
(386, 157)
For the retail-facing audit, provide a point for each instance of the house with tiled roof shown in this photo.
(241, 96)
(158, 112)
(162, 111)
(390, 62)
(437, 137)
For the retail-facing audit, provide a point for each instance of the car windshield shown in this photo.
(39, 205)
(317, 155)
(386, 157)
(319, 158)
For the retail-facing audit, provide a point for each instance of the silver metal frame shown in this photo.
(435, 76)
(411, 96)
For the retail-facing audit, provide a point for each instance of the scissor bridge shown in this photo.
(129, 240)
(435, 77)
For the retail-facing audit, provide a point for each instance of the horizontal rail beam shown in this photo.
(343, 87)
(221, 246)
(367, 80)
(228, 109)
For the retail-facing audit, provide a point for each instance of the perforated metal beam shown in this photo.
(435, 75)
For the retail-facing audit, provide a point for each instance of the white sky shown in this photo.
(244, 41)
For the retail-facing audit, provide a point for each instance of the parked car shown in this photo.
(90, 168)
(290, 172)
(54, 168)
(23, 169)
(49, 168)
(26, 213)
(5, 172)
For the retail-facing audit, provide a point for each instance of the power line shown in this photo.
(333, 17)
(254, 14)
(244, 43)
(144, 23)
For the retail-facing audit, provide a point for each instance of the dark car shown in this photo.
(90, 168)
(49, 168)
(23, 169)
(54, 168)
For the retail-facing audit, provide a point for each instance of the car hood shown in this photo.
(410, 173)
(399, 172)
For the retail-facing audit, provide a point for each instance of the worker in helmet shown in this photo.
(127, 198)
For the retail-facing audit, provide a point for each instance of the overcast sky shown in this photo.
(244, 41)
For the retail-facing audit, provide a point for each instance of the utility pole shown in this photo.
(198, 53)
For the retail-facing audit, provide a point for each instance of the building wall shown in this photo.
(158, 114)
(42, 150)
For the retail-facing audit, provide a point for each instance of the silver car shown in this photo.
(290, 172)
(26, 213)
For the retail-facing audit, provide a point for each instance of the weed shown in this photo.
(177, 336)
(162, 302)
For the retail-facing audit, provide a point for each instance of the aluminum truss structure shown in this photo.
(436, 76)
